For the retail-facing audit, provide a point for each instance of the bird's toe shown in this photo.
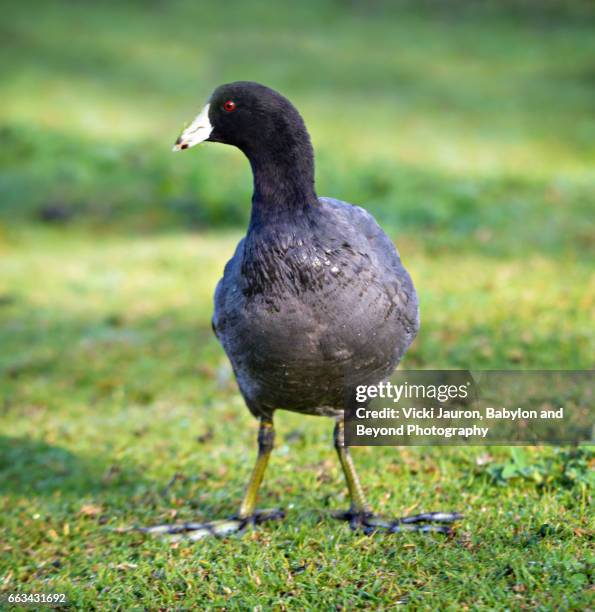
(439, 522)
(194, 531)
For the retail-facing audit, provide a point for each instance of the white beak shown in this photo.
(198, 131)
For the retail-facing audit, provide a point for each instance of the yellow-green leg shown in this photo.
(248, 515)
(360, 515)
(266, 441)
(359, 504)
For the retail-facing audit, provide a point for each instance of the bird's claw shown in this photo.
(220, 529)
(439, 522)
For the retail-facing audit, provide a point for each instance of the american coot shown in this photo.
(314, 301)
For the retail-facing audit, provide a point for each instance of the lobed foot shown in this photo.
(220, 529)
(429, 521)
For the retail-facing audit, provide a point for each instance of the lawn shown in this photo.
(467, 132)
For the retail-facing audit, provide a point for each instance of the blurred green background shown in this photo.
(466, 128)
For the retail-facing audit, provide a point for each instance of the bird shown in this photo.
(314, 302)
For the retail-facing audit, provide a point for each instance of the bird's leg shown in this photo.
(266, 441)
(247, 516)
(359, 504)
(360, 515)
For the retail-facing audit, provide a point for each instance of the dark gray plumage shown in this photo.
(312, 306)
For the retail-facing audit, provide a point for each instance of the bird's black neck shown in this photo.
(283, 173)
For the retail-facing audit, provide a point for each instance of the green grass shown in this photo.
(468, 133)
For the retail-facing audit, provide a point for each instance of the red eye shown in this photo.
(229, 106)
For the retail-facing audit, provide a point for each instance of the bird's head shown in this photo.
(247, 115)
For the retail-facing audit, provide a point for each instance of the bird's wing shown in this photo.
(377, 244)
(224, 286)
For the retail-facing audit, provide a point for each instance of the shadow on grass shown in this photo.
(63, 483)
(131, 394)
(32, 467)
